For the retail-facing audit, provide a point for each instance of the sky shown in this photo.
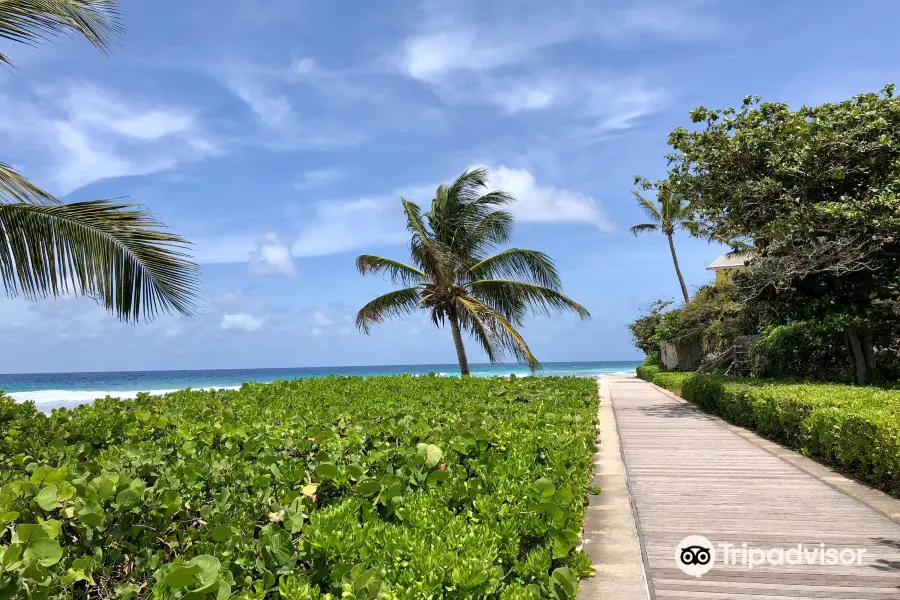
(279, 140)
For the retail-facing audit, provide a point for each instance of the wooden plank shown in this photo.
(689, 475)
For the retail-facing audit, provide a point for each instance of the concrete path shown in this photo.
(691, 474)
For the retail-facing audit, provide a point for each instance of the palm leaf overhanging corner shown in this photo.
(34, 21)
(456, 278)
(116, 253)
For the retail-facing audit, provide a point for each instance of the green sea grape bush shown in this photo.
(384, 487)
(856, 429)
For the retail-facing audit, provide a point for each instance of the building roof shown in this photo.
(734, 260)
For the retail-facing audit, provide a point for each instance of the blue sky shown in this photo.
(279, 140)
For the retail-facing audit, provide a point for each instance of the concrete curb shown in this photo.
(874, 499)
(610, 532)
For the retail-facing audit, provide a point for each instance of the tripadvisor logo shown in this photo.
(695, 555)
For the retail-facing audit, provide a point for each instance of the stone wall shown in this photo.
(680, 357)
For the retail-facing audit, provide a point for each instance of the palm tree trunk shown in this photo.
(678, 269)
(458, 342)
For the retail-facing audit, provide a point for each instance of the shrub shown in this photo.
(647, 372)
(643, 329)
(653, 360)
(856, 429)
(803, 350)
(670, 380)
(384, 487)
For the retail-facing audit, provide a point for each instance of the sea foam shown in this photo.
(85, 396)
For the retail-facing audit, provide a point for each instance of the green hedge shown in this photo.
(648, 372)
(385, 488)
(856, 429)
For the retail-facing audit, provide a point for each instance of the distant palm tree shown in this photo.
(114, 252)
(456, 279)
(670, 213)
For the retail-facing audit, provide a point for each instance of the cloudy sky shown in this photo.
(279, 141)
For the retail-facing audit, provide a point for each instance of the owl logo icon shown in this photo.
(695, 555)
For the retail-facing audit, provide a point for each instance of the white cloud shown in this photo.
(316, 332)
(546, 204)
(272, 257)
(304, 66)
(223, 249)
(80, 134)
(345, 330)
(318, 178)
(241, 322)
(172, 332)
(320, 319)
(274, 110)
(341, 226)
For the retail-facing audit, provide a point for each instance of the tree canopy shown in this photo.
(814, 191)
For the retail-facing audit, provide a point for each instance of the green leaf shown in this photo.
(355, 471)
(91, 513)
(278, 543)
(327, 471)
(51, 527)
(10, 556)
(222, 533)
(430, 454)
(47, 498)
(45, 475)
(368, 487)
(45, 552)
(182, 576)
(544, 488)
(127, 499)
(27, 532)
(565, 581)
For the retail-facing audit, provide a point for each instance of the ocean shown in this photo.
(55, 390)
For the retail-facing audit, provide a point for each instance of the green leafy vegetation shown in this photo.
(856, 429)
(384, 487)
(811, 195)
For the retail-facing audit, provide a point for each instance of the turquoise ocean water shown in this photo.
(53, 390)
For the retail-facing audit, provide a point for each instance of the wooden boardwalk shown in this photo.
(688, 474)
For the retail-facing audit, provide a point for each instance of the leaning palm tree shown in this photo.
(669, 213)
(456, 279)
(112, 251)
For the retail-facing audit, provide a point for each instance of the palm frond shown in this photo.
(34, 21)
(531, 265)
(649, 207)
(113, 252)
(644, 228)
(399, 273)
(514, 299)
(394, 304)
(479, 329)
(469, 186)
(15, 188)
(500, 333)
(493, 230)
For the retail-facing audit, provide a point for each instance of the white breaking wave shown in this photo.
(86, 396)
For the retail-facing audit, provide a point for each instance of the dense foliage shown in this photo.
(803, 350)
(386, 487)
(712, 321)
(856, 429)
(644, 328)
(816, 193)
